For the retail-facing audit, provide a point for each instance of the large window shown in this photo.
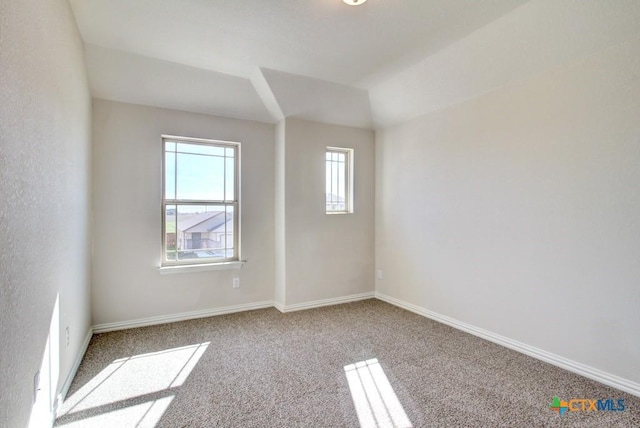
(200, 201)
(339, 186)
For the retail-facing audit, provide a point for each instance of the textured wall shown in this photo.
(280, 217)
(327, 256)
(127, 155)
(44, 182)
(517, 211)
(539, 35)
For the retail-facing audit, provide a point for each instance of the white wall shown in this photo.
(517, 211)
(306, 98)
(280, 223)
(127, 215)
(327, 256)
(116, 75)
(538, 36)
(45, 120)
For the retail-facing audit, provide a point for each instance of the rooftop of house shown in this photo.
(201, 222)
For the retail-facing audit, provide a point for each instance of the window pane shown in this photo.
(229, 231)
(170, 232)
(170, 175)
(341, 181)
(337, 180)
(202, 228)
(328, 182)
(201, 232)
(229, 179)
(200, 177)
(200, 149)
(334, 179)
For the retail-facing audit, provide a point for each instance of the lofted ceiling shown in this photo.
(369, 66)
(324, 39)
(203, 55)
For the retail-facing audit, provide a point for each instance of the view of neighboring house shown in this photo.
(209, 230)
(335, 202)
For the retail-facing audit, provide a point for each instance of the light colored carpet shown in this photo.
(366, 363)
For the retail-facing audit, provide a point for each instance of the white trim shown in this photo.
(199, 267)
(349, 163)
(164, 319)
(176, 202)
(324, 302)
(562, 362)
(198, 140)
(62, 395)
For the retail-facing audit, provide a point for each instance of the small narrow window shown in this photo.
(339, 180)
(200, 202)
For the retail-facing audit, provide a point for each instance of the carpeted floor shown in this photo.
(366, 363)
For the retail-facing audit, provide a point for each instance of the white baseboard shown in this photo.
(62, 395)
(324, 302)
(164, 319)
(564, 363)
(279, 306)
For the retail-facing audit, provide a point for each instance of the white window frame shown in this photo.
(235, 203)
(348, 178)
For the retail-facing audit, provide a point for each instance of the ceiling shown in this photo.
(266, 59)
(370, 66)
(324, 39)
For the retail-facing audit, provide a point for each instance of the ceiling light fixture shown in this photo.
(354, 2)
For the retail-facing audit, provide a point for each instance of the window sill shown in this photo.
(339, 212)
(200, 267)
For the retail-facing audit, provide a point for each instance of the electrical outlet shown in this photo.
(236, 282)
(379, 274)
(66, 331)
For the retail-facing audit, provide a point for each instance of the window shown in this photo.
(200, 201)
(339, 180)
